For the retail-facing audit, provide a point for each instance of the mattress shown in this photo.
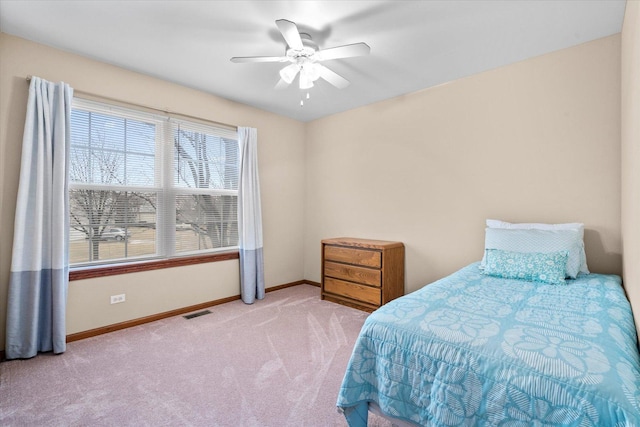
(471, 349)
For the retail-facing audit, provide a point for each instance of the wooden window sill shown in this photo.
(112, 270)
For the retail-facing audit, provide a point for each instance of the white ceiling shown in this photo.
(414, 44)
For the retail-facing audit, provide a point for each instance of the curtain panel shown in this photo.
(37, 295)
(250, 218)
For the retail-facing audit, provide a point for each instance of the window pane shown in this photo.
(205, 222)
(141, 170)
(108, 225)
(205, 161)
(111, 150)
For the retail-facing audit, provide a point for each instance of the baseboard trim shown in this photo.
(177, 312)
(142, 320)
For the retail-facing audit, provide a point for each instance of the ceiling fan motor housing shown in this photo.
(308, 50)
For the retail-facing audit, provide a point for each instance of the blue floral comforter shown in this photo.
(471, 349)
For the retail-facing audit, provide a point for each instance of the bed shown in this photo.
(476, 348)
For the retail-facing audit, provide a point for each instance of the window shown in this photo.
(146, 186)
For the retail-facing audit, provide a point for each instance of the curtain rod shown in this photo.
(187, 116)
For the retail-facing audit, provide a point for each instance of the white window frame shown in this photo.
(164, 187)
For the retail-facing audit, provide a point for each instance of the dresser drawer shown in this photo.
(353, 290)
(352, 273)
(353, 256)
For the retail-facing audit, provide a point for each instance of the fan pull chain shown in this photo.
(302, 100)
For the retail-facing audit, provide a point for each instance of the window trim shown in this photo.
(90, 272)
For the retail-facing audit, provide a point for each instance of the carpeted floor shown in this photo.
(278, 362)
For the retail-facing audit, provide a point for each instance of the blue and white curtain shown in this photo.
(250, 218)
(38, 283)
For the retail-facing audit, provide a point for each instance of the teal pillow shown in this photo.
(546, 267)
(538, 241)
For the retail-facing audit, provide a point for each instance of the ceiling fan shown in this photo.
(304, 57)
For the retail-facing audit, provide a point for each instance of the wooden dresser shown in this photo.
(362, 273)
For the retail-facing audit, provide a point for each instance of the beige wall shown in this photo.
(281, 164)
(631, 154)
(536, 141)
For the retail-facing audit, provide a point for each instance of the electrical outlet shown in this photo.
(115, 299)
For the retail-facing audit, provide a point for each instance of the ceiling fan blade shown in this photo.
(346, 51)
(281, 85)
(333, 78)
(239, 59)
(290, 33)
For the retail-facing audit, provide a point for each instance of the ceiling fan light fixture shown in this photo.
(306, 82)
(312, 70)
(289, 72)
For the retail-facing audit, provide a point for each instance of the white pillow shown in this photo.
(495, 223)
(537, 241)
